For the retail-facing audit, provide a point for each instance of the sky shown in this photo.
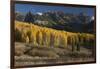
(24, 8)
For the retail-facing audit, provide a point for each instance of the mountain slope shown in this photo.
(58, 20)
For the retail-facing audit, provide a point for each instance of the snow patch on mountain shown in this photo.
(39, 13)
(92, 18)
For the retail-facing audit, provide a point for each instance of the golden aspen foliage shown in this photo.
(47, 38)
(43, 36)
(33, 37)
(27, 39)
(39, 37)
(63, 40)
(24, 35)
(18, 35)
(56, 40)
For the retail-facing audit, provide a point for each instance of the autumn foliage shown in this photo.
(42, 36)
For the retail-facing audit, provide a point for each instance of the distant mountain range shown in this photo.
(59, 20)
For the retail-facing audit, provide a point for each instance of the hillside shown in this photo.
(41, 45)
(58, 20)
(47, 36)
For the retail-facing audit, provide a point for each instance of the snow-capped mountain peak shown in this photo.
(39, 13)
(92, 18)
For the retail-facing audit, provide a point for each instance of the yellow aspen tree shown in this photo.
(39, 37)
(56, 39)
(18, 35)
(44, 37)
(23, 35)
(27, 39)
(51, 39)
(73, 43)
(47, 38)
(33, 38)
(64, 40)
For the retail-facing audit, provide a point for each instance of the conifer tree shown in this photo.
(29, 17)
